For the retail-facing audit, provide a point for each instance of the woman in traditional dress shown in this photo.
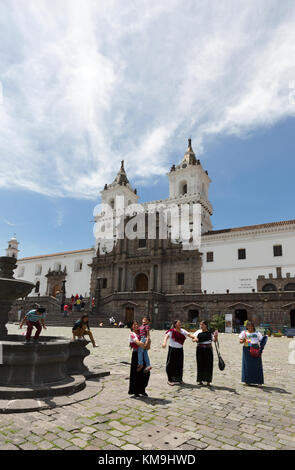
(204, 353)
(253, 343)
(138, 380)
(174, 364)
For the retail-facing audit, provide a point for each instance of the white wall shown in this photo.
(78, 282)
(228, 272)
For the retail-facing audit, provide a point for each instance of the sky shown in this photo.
(85, 84)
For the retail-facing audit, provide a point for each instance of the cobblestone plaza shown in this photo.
(189, 417)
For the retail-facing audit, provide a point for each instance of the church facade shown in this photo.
(247, 271)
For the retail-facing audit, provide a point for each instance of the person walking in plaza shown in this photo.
(175, 357)
(204, 353)
(138, 381)
(81, 328)
(33, 319)
(253, 344)
(144, 337)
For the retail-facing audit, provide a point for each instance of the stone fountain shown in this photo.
(37, 375)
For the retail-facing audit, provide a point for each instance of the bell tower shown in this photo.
(189, 183)
(12, 249)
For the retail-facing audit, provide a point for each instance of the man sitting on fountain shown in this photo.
(33, 318)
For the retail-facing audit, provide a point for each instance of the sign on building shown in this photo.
(228, 322)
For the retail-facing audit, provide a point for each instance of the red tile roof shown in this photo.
(57, 254)
(251, 227)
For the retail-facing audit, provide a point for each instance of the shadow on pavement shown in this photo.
(211, 387)
(153, 401)
(266, 389)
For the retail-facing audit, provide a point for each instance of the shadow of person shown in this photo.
(152, 400)
(225, 389)
(209, 387)
(267, 389)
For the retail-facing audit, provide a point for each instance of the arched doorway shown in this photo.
(269, 287)
(56, 290)
(141, 283)
(193, 316)
(290, 286)
(292, 318)
(240, 317)
(129, 316)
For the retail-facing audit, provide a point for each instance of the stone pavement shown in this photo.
(226, 416)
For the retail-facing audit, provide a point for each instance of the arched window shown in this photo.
(37, 287)
(141, 283)
(269, 287)
(182, 187)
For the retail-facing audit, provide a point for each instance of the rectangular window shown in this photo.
(38, 269)
(21, 271)
(241, 253)
(78, 266)
(180, 279)
(210, 256)
(277, 250)
(104, 283)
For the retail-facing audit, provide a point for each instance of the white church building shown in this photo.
(233, 259)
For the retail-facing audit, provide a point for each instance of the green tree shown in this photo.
(218, 322)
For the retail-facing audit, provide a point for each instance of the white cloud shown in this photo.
(89, 83)
(7, 222)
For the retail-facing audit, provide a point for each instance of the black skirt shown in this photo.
(174, 364)
(204, 357)
(138, 380)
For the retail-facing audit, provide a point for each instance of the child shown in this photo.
(144, 333)
(33, 318)
(81, 328)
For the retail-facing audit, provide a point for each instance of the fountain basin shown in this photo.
(54, 366)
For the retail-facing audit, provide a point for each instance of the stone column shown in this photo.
(159, 277)
(151, 277)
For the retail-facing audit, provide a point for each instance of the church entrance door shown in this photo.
(193, 316)
(240, 317)
(292, 318)
(55, 290)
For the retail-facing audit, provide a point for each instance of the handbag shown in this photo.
(255, 351)
(221, 363)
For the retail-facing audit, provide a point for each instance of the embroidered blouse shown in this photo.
(252, 338)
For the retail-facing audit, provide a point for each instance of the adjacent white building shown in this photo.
(48, 271)
(233, 259)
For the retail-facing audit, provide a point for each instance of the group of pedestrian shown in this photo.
(78, 303)
(252, 369)
(140, 341)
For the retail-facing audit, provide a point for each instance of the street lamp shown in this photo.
(63, 295)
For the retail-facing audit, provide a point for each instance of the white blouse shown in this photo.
(173, 343)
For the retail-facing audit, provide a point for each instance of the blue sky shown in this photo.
(95, 82)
